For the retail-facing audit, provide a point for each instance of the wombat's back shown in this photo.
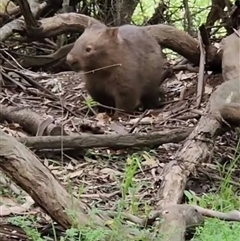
(143, 56)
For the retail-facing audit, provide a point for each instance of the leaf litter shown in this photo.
(97, 175)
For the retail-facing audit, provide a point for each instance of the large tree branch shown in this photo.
(166, 35)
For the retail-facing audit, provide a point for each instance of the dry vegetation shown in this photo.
(65, 165)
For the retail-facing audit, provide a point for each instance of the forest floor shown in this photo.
(130, 178)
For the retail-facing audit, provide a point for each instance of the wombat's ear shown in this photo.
(112, 32)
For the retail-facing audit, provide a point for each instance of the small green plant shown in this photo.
(223, 200)
(28, 224)
(133, 163)
(89, 102)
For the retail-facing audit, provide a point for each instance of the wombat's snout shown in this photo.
(72, 61)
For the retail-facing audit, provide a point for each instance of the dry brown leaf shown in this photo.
(6, 6)
(118, 128)
(208, 89)
(80, 86)
(70, 167)
(59, 173)
(146, 120)
(14, 208)
(6, 211)
(174, 82)
(110, 171)
(184, 76)
(72, 175)
(7, 200)
(149, 160)
(102, 119)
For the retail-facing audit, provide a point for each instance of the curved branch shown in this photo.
(18, 24)
(166, 35)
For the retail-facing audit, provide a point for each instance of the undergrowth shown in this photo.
(225, 199)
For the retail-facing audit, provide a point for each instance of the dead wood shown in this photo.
(15, 158)
(43, 60)
(30, 121)
(45, 92)
(233, 215)
(189, 216)
(26, 170)
(230, 18)
(230, 60)
(18, 23)
(166, 35)
(216, 12)
(111, 141)
(229, 216)
(183, 44)
(225, 101)
(194, 150)
(64, 22)
(176, 219)
(184, 216)
(200, 141)
(201, 72)
(158, 16)
(197, 146)
(30, 21)
(33, 83)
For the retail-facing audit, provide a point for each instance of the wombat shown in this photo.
(122, 65)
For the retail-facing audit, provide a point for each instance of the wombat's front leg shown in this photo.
(127, 102)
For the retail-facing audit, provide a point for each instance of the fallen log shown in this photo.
(193, 151)
(197, 146)
(110, 141)
(176, 219)
(26, 170)
(30, 121)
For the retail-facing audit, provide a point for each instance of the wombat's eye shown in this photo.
(88, 49)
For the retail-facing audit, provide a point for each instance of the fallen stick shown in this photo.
(111, 141)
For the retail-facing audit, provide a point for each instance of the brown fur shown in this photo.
(137, 76)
